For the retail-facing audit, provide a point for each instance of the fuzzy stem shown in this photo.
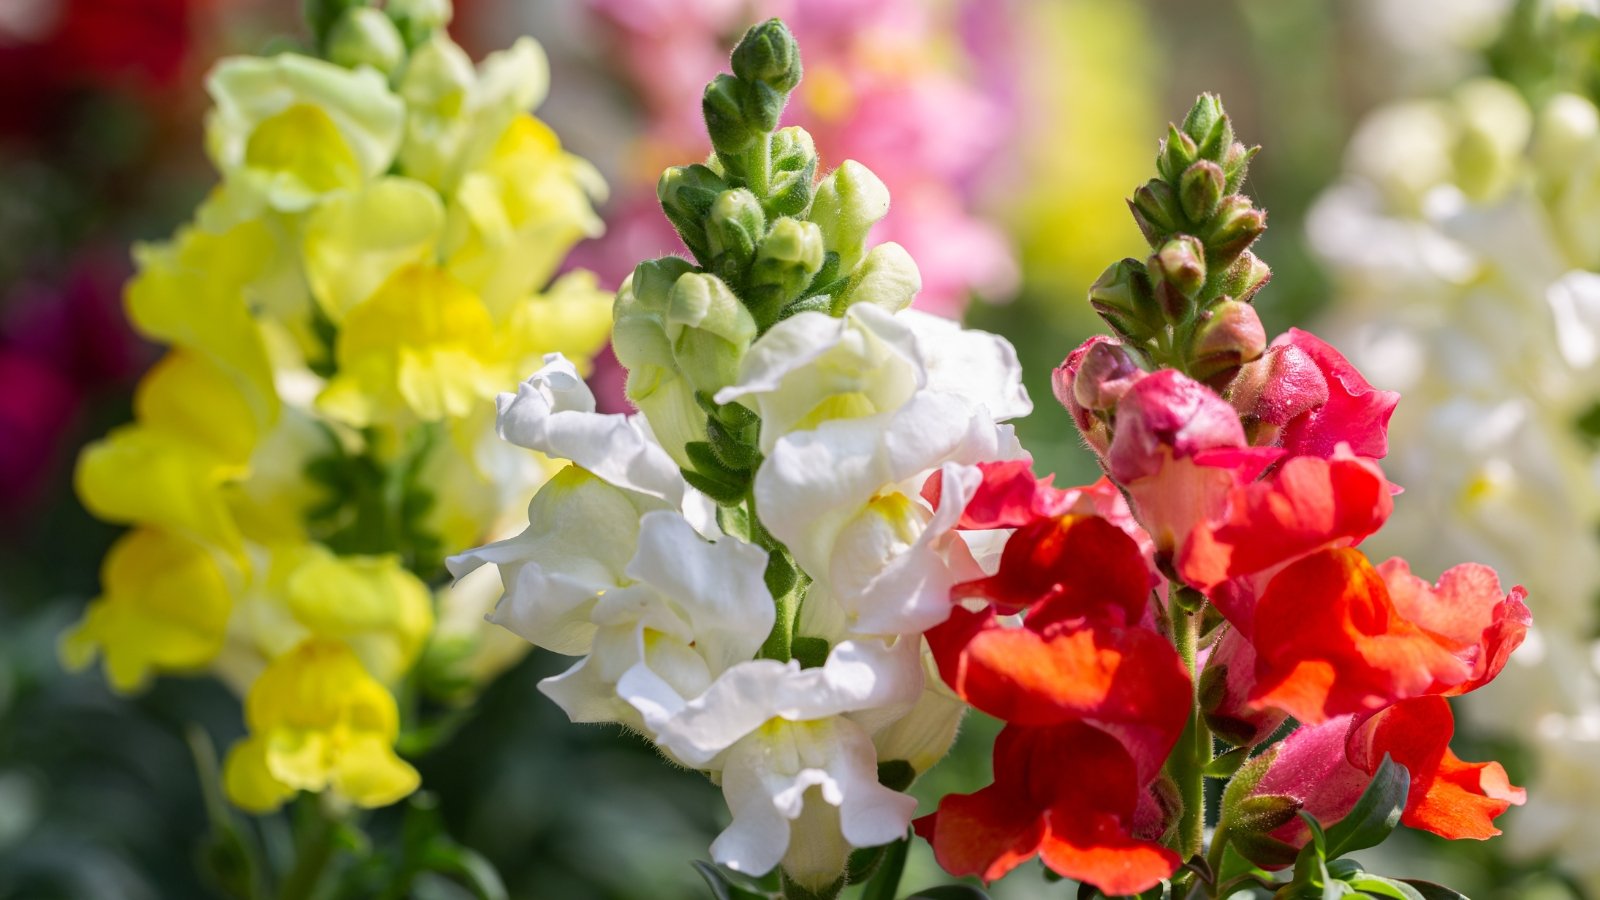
(1193, 751)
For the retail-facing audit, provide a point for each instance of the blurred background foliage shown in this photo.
(100, 145)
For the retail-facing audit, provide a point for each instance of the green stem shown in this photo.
(1215, 855)
(760, 166)
(1193, 752)
(314, 852)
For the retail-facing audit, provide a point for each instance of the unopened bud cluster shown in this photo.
(1188, 304)
(768, 240)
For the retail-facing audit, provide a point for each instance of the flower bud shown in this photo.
(1224, 694)
(710, 331)
(1230, 334)
(734, 227)
(1123, 298)
(1495, 125)
(1208, 126)
(1156, 209)
(1177, 154)
(849, 201)
(723, 106)
(769, 54)
(417, 19)
(794, 171)
(1104, 375)
(364, 36)
(639, 332)
(1200, 190)
(1234, 228)
(888, 278)
(687, 194)
(1181, 263)
(788, 257)
(1236, 165)
(1245, 277)
(1568, 127)
(1063, 381)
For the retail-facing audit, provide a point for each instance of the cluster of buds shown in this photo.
(1188, 304)
(747, 565)
(1210, 587)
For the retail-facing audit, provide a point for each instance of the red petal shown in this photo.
(986, 834)
(1355, 414)
(1045, 567)
(1448, 797)
(1466, 613)
(1329, 641)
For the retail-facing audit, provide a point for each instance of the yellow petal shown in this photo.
(369, 774)
(137, 474)
(573, 318)
(355, 241)
(248, 782)
(372, 603)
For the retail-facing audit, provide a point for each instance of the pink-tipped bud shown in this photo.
(1107, 372)
(1230, 335)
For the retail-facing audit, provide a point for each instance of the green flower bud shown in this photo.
(417, 19)
(639, 314)
(1245, 277)
(687, 194)
(723, 107)
(887, 278)
(1263, 813)
(849, 201)
(1178, 152)
(363, 36)
(1200, 189)
(1123, 297)
(762, 106)
(734, 227)
(1236, 165)
(1208, 126)
(323, 15)
(789, 256)
(710, 331)
(768, 54)
(1495, 126)
(1229, 335)
(793, 173)
(1235, 227)
(1181, 263)
(1155, 207)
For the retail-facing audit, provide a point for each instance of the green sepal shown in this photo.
(793, 891)
(724, 493)
(726, 885)
(1228, 763)
(322, 15)
(810, 652)
(885, 882)
(896, 774)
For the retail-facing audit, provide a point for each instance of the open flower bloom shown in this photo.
(1323, 769)
(377, 260)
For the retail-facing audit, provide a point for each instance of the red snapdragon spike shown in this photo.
(1466, 612)
(1306, 505)
(1330, 641)
(1448, 797)
(1067, 567)
(1354, 412)
(1068, 794)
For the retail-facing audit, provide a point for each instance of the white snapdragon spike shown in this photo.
(692, 610)
(864, 674)
(805, 793)
(581, 533)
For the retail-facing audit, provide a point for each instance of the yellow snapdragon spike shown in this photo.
(165, 608)
(514, 219)
(291, 129)
(422, 345)
(354, 242)
(317, 722)
(370, 602)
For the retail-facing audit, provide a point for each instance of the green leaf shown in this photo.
(1378, 886)
(885, 883)
(720, 890)
(1376, 815)
(731, 885)
(724, 493)
(1228, 763)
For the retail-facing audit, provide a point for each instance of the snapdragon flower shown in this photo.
(746, 565)
(374, 263)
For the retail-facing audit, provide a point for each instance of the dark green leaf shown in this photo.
(1378, 886)
(1228, 763)
(950, 892)
(713, 877)
(1430, 891)
(1375, 815)
(720, 491)
(885, 883)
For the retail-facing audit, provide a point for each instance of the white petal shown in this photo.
(553, 412)
(977, 365)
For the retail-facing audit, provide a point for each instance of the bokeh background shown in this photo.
(1009, 131)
